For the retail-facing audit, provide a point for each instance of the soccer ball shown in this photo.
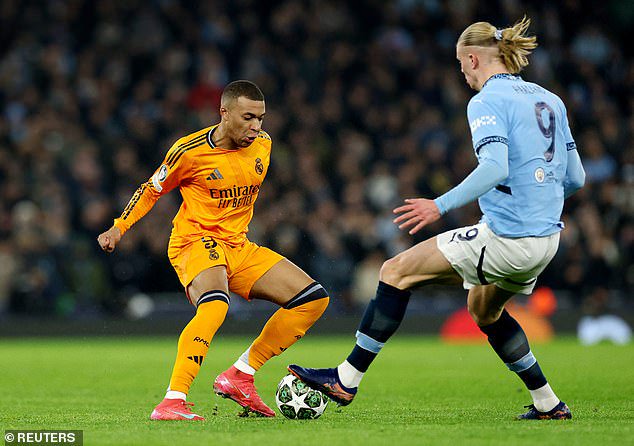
(297, 401)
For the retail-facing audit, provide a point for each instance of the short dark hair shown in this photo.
(239, 88)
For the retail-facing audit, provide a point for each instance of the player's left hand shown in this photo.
(418, 212)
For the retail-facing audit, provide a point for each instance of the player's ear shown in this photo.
(224, 113)
(474, 61)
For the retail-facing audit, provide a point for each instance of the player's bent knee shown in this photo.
(315, 294)
(392, 273)
(475, 315)
(481, 314)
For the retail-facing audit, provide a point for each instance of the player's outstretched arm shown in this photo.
(165, 178)
(108, 240)
(492, 168)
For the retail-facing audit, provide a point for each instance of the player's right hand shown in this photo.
(418, 212)
(109, 239)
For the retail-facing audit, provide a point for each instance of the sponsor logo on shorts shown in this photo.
(213, 254)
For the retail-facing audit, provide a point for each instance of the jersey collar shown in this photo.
(210, 140)
(509, 76)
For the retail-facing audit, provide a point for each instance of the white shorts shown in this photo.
(482, 258)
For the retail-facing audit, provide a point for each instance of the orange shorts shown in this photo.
(245, 263)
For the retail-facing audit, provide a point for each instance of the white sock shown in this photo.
(244, 367)
(544, 399)
(175, 395)
(349, 375)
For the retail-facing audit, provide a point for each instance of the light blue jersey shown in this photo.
(527, 157)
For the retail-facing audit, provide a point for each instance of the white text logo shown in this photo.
(482, 121)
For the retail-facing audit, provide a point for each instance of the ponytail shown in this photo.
(512, 43)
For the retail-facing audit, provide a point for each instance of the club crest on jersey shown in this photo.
(540, 175)
(159, 177)
(259, 167)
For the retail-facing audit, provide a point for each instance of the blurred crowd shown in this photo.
(366, 106)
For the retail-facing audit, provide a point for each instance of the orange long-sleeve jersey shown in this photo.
(219, 187)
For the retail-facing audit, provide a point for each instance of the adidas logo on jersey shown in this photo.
(215, 175)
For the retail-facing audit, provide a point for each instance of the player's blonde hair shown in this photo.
(513, 44)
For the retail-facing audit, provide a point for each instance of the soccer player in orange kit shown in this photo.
(219, 171)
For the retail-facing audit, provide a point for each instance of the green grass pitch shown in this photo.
(419, 391)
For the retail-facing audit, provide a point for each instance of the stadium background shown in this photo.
(365, 104)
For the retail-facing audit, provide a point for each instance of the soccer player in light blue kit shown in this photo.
(527, 165)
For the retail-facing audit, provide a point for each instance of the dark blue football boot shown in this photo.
(559, 412)
(326, 381)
